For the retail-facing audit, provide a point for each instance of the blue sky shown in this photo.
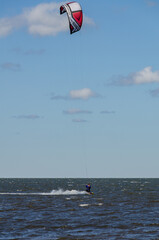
(80, 105)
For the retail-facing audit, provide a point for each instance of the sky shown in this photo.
(80, 105)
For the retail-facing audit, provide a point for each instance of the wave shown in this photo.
(53, 192)
(84, 205)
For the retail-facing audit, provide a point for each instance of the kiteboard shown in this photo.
(90, 193)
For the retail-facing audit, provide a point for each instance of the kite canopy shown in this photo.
(75, 15)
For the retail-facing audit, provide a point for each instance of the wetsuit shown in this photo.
(88, 188)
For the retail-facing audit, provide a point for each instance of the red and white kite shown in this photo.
(75, 15)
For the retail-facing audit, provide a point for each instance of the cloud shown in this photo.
(79, 120)
(146, 75)
(59, 97)
(30, 117)
(35, 52)
(107, 112)
(151, 3)
(7, 25)
(82, 94)
(76, 111)
(29, 51)
(154, 93)
(43, 20)
(88, 21)
(11, 66)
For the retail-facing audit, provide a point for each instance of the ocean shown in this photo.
(61, 209)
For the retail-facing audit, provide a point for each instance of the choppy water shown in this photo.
(60, 209)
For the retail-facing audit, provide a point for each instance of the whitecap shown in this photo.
(100, 204)
(84, 205)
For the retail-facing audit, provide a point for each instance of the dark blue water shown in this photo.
(60, 209)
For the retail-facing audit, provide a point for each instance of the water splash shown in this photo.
(66, 192)
(53, 192)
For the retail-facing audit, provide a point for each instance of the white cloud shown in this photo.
(7, 25)
(107, 112)
(11, 66)
(79, 120)
(84, 94)
(76, 111)
(31, 116)
(88, 21)
(146, 75)
(43, 19)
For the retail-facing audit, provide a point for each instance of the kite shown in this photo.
(75, 15)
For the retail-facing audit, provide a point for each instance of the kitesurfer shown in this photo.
(88, 188)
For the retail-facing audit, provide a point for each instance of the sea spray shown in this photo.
(66, 192)
(53, 192)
